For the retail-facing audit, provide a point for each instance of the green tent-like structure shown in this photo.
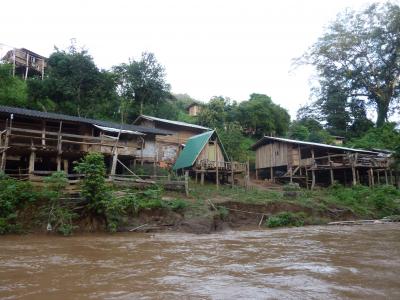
(193, 148)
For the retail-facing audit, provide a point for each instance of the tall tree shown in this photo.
(13, 90)
(78, 87)
(259, 116)
(360, 53)
(143, 82)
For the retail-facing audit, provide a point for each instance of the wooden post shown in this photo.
(187, 183)
(272, 173)
(386, 177)
(216, 163)
(372, 177)
(256, 174)
(32, 159)
(301, 172)
(379, 178)
(114, 162)
(331, 170)
(232, 174)
(202, 176)
(353, 169)
(44, 133)
(66, 166)
(27, 66)
(4, 154)
(247, 177)
(391, 177)
(58, 163)
(312, 170)
(369, 178)
(197, 173)
(306, 178)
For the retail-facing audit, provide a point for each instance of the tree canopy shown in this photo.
(358, 58)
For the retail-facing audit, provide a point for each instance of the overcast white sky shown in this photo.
(209, 47)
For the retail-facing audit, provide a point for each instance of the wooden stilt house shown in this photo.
(205, 155)
(34, 143)
(313, 164)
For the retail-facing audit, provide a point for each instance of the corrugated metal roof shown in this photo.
(263, 140)
(178, 123)
(192, 149)
(61, 117)
(116, 130)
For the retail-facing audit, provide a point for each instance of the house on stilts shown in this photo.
(312, 164)
(35, 143)
(205, 155)
(163, 150)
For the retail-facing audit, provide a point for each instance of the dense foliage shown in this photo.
(357, 59)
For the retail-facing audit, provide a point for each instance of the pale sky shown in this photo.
(209, 48)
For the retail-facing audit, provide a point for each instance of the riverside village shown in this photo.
(114, 185)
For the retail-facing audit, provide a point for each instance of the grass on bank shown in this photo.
(312, 207)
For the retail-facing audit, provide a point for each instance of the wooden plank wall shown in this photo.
(208, 152)
(272, 155)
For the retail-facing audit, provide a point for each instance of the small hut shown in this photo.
(314, 163)
(204, 154)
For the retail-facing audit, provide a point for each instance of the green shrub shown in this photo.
(60, 216)
(14, 195)
(177, 204)
(94, 187)
(286, 219)
(291, 187)
(223, 212)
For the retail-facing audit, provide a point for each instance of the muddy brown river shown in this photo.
(344, 262)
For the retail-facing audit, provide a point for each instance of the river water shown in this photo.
(315, 262)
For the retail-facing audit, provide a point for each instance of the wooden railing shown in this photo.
(349, 160)
(50, 140)
(207, 164)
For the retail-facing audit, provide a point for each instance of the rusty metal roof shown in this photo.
(61, 117)
(266, 139)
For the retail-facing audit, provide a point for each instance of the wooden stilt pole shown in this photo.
(386, 178)
(256, 174)
(372, 177)
(391, 178)
(232, 174)
(379, 178)
(202, 176)
(271, 170)
(312, 170)
(187, 183)
(216, 163)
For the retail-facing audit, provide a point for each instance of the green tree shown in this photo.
(142, 82)
(214, 114)
(359, 53)
(259, 116)
(13, 90)
(78, 87)
(94, 187)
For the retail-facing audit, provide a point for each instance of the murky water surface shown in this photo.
(360, 262)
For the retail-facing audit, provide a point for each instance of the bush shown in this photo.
(286, 219)
(60, 216)
(14, 195)
(94, 187)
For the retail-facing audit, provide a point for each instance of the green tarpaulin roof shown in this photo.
(192, 150)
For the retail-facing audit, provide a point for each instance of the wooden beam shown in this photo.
(32, 158)
(386, 177)
(232, 174)
(372, 177)
(216, 163)
(187, 183)
(312, 170)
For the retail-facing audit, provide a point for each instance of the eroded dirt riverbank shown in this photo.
(309, 262)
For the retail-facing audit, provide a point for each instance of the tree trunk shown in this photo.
(382, 111)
